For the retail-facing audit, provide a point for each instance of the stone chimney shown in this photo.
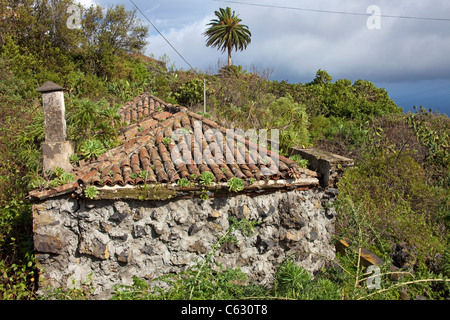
(56, 149)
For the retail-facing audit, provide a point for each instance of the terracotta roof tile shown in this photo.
(196, 145)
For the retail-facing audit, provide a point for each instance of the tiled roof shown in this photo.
(163, 143)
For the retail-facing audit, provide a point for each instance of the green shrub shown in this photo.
(387, 198)
(74, 159)
(191, 92)
(302, 163)
(17, 265)
(292, 121)
(66, 177)
(166, 141)
(292, 281)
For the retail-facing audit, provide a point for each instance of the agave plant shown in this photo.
(207, 178)
(92, 149)
(235, 184)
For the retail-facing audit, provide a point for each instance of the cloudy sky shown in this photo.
(408, 53)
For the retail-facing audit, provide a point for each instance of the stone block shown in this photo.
(292, 220)
(139, 231)
(95, 246)
(123, 256)
(291, 235)
(327, 164)
(193, 229)
(47, 243)
(159, 227)
(57, 154)
(214, 214)
(198, 246)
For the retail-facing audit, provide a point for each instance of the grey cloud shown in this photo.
(296, 43)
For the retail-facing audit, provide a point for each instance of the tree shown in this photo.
(227, 33)
(109, 34)
(322, 77)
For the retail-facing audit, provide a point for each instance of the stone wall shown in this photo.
(111, 241)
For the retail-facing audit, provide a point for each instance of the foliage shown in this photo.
(184, 182)
(17, 266)
(19, 161)
(235, 184)
(207, 178)
(191, 92)
(433, 132)
(292, 281)
(144, 175)
(322, 77)
(74, 158)
(92, 148)
(340, 99)
(81, 292)
(109, 34)
(90, 192)
(52, 179)
(191, 284)
(389, 199)
(83, 115)
(291, 119)
(302, 163)
(166, 141)
(15, 279)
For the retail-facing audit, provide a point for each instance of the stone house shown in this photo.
(140, 220)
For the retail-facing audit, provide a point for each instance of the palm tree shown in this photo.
(227, 33)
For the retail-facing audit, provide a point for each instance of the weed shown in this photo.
(83, 291)
(74, 159)
(90, 192)
(235, 184)
(184, 182)
(166, 141)
(207, 178)
(302, 163)
(144, 175)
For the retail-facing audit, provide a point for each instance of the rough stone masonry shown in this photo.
(110, 241)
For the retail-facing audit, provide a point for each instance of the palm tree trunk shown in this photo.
(229, 55)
